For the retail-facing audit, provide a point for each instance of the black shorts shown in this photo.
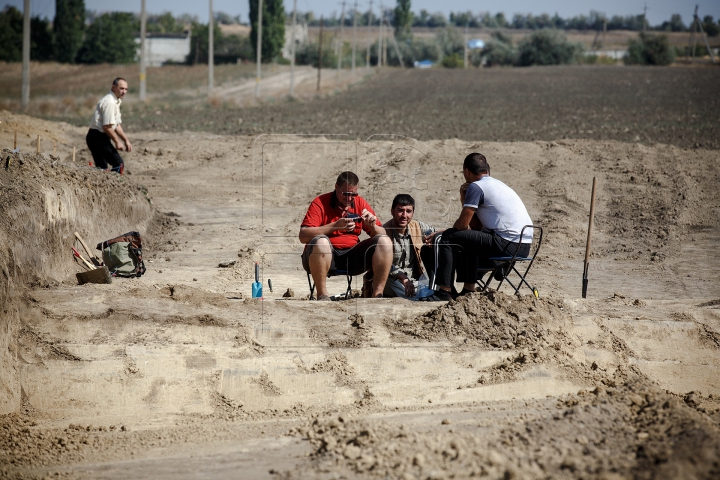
(103, 151)
(355, 260)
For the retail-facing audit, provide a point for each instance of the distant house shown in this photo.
(424, 64)
(476, 44)
(164, 48)
(301, 37)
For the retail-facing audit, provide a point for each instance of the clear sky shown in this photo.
(658, 10)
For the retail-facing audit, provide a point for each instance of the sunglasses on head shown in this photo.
(350, 194)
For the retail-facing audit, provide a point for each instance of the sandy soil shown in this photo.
(180, 374)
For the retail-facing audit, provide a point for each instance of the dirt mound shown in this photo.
(194, 296)
(491, 320)
(43, 203)
(633, 430)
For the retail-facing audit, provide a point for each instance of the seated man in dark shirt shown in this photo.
(331, 230)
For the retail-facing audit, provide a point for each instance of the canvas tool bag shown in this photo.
(123, 255)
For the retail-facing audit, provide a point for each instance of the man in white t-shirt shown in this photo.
(105, 126)
(489, 225)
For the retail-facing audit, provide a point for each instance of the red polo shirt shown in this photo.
(325, 209)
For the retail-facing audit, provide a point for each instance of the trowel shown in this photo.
(257, 286)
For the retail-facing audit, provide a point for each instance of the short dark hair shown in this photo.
(347, 178)
(115, 82)
(476, 163)
(403, 199)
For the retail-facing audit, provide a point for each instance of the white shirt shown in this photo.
(107, 112)
(499, 208)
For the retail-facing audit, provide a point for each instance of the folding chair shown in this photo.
(504, 266)
(332, 273)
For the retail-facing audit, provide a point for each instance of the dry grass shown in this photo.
(79, 81)
(61, 90)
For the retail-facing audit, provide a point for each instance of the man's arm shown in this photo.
(110, 132)
(370, 222)
(463, 221)
(308, 233)
(120, 133)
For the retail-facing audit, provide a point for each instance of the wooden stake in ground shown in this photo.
(15, 141)
(73, 154)
(37, 147)
(587, 245)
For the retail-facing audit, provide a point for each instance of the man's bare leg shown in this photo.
(319, 263)
(381, 263)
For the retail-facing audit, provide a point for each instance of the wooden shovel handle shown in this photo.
(87, 250)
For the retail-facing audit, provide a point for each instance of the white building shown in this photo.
(162, 48)
(301, 37)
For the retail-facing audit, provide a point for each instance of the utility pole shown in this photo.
(259, 50)
(604, 31)
(644, 16)
(354, 38)
(395, 44)
(693, 43)
(339, 60)
(292, 50)
(143, 50)
(26, 56)
(697, 24)
(380, 37)
(320, 52)
(211, 51)
(465, 50)
(369, 33)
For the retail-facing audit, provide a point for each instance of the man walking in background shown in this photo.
(106, 129)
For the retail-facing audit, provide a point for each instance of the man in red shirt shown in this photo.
(331, 230)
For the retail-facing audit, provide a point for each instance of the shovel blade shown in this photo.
(257, 290)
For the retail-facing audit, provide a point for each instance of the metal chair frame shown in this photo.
(506, 265)
(332, 273)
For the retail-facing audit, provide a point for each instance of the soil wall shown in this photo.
(43, 202)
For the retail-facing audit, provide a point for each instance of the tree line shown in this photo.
(79, 36)
(593, 21)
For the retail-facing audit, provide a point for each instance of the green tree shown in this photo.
(164, 23)
(110, 39)
(674, 25)
(68, 28)
(498, 51)
(11, 20)
(403, 20)
(11, 26)
(41, 41)
(273, 28)
(547, 47)
(199, 42)
(650, 50)
(710, 27)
